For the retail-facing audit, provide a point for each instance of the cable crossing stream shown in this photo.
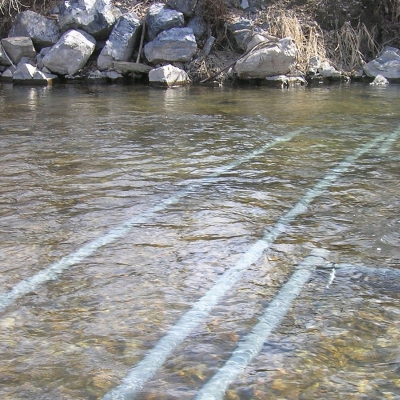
(54, 270)
(155, 358)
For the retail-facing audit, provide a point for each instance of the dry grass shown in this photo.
(349, 47)
(392, 9)
(9, 7)
(308, 37)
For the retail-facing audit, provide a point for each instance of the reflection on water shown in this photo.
(79, 161)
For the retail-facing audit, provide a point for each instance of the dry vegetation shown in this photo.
(346, 32)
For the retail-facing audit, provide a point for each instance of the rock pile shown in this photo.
(93, 40)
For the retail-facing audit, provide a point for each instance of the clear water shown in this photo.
(77, 162)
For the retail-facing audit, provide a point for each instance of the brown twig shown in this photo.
(141, 42)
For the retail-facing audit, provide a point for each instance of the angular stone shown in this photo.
(24, 71)
(186, 7)
(386, 64)
(18, 47)
(70, 53)
(379, 81)
(275, 58)
(160, 18)
(198, 25)
(96, 17)
(7, 75)
(125, 67)
(121, 43)
(4, 60)
(168, 75)
(174, 45)
(43, 32)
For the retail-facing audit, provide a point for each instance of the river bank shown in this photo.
(329, 41)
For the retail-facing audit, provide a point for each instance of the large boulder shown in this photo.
(174, 45)
(43, 32)
(386, 64)
(168, 75)
(18, 47)
(96, 17)
(70, 53)
(160, 18)
(120, 44)
(187, 7)
(272, 58)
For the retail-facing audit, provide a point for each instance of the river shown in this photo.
(199, 243)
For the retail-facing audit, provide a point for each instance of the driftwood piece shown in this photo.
(141, 42)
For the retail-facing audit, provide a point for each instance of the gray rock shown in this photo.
(18, 47)
(7, 75)
(253, 40)
(274, 59)
(186, 7)
(44, 78)
(241, 30)
(174, 45)
(160, 18)
(40, 56)
(168, 75)
(386, 64)
(114, 76)
(199, 26)
(328, 71)
(43, 32)
(70, 53)
(24, 71)
(379, 81)
(96, 17)
(120, 45)
(4, 59)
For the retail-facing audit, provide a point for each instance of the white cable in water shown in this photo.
(253, 343)
(331, 278)
(55, 269)
(155, 358)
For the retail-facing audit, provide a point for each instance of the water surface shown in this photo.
(77, 162)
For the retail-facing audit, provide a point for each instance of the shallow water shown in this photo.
(184, 184)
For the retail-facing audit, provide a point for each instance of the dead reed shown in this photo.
(308, 37)
(350, 47)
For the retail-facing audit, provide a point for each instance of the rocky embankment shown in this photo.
(95, 41)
